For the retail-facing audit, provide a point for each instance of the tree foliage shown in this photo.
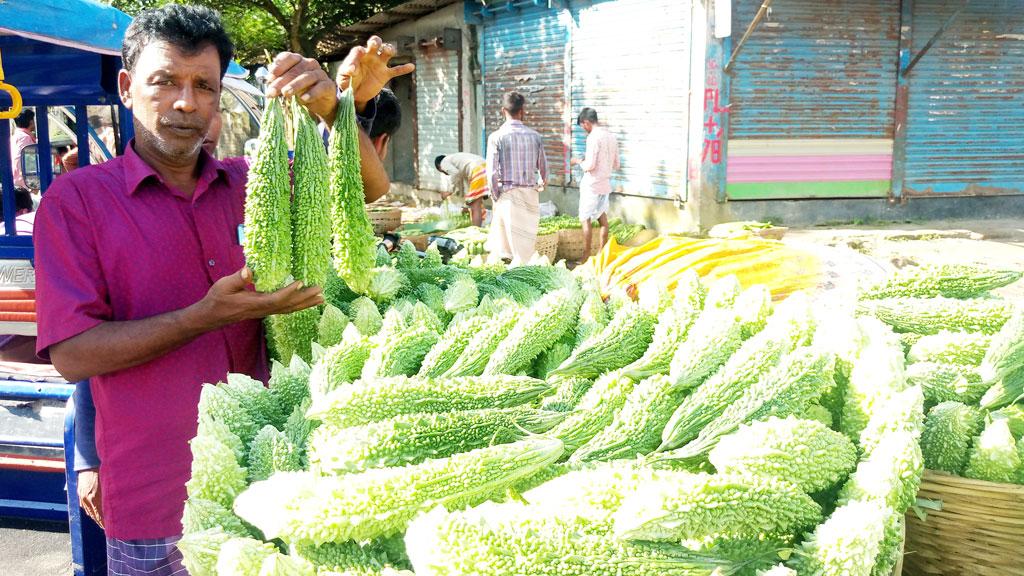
(275, 25)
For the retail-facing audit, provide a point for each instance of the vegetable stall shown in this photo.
(690, 407)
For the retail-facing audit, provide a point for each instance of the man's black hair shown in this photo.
(588, 114)
(188, 27)
(389, 115)
(513, 102)
(437, 162)
(24, 118)
(22, 199)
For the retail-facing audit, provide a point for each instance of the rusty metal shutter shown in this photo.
(816, 69)
(437, 111)
(965, 125)
(612, 73)
(524, 49)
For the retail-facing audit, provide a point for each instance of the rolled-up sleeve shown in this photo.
(71, 293)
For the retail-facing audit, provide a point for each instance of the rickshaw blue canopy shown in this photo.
(81, 24)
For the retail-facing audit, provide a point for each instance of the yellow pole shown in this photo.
(15, 108)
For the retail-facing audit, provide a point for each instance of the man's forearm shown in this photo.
(376, 182)
(117, 345)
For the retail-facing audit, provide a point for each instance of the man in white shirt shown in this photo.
(467, 180)
(600, 160)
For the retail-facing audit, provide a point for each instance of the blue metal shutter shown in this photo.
(816, 69)
(618, 48)
(437, 111)
(965, 126)
(525, 50)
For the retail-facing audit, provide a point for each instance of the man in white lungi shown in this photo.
(516, 172)
(600, 160)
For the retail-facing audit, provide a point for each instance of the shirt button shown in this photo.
(212, 262)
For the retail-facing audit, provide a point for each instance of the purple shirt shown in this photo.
(515, 157)
(113, 242)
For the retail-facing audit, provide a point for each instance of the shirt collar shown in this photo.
(137, 171)
(513, 122)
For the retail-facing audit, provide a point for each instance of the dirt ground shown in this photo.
(994, 243)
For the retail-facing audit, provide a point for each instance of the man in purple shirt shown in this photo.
(516, 172)
(141, 282)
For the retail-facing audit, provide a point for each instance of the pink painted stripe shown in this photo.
(809, 168)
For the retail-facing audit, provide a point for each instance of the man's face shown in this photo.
(174, 96)
(587, 125)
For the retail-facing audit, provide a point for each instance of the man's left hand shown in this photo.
(574, 161)
(292, 74)
(89, 496)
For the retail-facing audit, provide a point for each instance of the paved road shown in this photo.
(34, 548)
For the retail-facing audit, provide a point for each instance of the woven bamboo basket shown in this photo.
(385, 219)
(418, 240)
(979, 530)
(570, 244)
(547, 245)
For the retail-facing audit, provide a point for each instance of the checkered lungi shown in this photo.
(151, 557)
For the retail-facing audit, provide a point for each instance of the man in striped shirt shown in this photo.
(516, 172)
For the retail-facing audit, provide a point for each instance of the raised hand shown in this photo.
(366, 70)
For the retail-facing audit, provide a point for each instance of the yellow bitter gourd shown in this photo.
(354, 244)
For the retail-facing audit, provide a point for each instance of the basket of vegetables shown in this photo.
(966, 350)
(547, 245)
(384, 218)
(978, 528)
(570, 236)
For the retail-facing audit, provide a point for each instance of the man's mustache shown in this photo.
(182, 123)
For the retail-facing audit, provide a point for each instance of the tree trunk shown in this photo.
(295, 41)
(298, 42)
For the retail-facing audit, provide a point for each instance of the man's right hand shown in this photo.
(89, 495)
(232, 300)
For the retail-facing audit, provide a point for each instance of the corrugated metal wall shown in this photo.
(816, 84)
(437, 111)
(524, 49)
(613, 73)
(965, 126)
(816, 69)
